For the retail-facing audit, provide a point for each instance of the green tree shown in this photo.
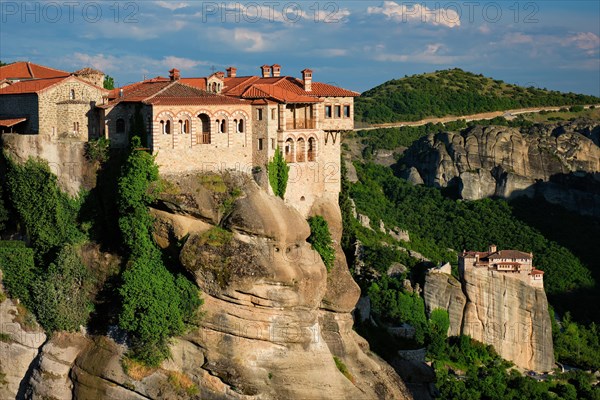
(320, 240)
(155, 304)
(109, 82)
(3, 211)
(278, 173)
(439, 323)
(62, 297)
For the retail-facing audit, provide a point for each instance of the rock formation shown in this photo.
(560, 162)
(274, 317)
(497, 309)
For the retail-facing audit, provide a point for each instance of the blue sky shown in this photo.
(354, 44)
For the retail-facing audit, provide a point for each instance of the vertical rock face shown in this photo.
(444, 291)
(499, 310)
(19, 346)
(549, 160)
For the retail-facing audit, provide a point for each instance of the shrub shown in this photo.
(343, 368)
(48, 215)
(278, 173)
(576, 109)
(62, 299)
(97, 150)
(19, 271)
(320, 239)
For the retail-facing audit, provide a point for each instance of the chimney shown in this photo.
(231, 72)
(493, 248)
(120, 92)
(307, 78)
(266, 71)
(276, 70)
(174, 74)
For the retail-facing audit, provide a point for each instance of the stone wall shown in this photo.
(341, 123)
(65, 157)
(58, 111)
(21, 105)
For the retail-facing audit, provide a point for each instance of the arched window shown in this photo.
(214, 86)
(166, 127)
(72, 94)
(204, 133)
(240, 125)
(120, 125)
(289, 150)
(186, 126)
(300, 149)
(223, 126)
(77, 127)
(312, 149)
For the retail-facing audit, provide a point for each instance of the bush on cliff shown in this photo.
(320, 240)
(48, 215)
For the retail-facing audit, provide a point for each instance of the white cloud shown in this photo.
(181, 63)
(171, 5)
(447, 17)
(248, 40)
(141, 64)
(517, 38)
(434, 53)
(587, 41)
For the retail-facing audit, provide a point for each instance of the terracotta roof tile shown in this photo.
(31, 86)
(199, 83)
(11, 121)
(512, 254)
(28, 70)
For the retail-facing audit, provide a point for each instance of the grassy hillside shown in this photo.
(452, 92)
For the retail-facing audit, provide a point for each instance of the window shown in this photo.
(260, 144)
(120, 125)
(273, 113)
(166, 127)
(273, 144)
(203, 137)
(259, 114)
(327, 111)
(346, 111)
(72, 94)
(186, 126)
(240, 126)
(223, 126)
(338, 111)
(312, 149)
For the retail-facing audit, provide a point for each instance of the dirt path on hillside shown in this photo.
(472, 117)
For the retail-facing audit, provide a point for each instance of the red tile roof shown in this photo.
(512, 254)
(537, 272)
(28, 70)
(31, 86)
(166, 92)
(283, 89)
(11, 122)
(199, 83)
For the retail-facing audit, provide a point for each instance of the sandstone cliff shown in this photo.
(560, 162)
(274, 318)
(497, 309)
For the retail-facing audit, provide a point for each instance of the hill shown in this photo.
(453, 92)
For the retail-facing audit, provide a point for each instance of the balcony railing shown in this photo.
(300, 124)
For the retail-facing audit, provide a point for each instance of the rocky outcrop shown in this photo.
(274, 317)
(560, 162)
(20, 340)
(497, 309)
(444, 291)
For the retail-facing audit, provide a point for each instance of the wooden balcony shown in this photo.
(300, 124)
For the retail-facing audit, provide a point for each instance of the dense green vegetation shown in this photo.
(109, 82)
(278, 171)
(466, 369)
(63, 299)
(18, 268)
(156, 304)
(48, 215)
(3, 211)
(437, 223)
(452, 92)
(320, 240)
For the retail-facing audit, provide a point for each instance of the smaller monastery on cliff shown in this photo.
(503, 261)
